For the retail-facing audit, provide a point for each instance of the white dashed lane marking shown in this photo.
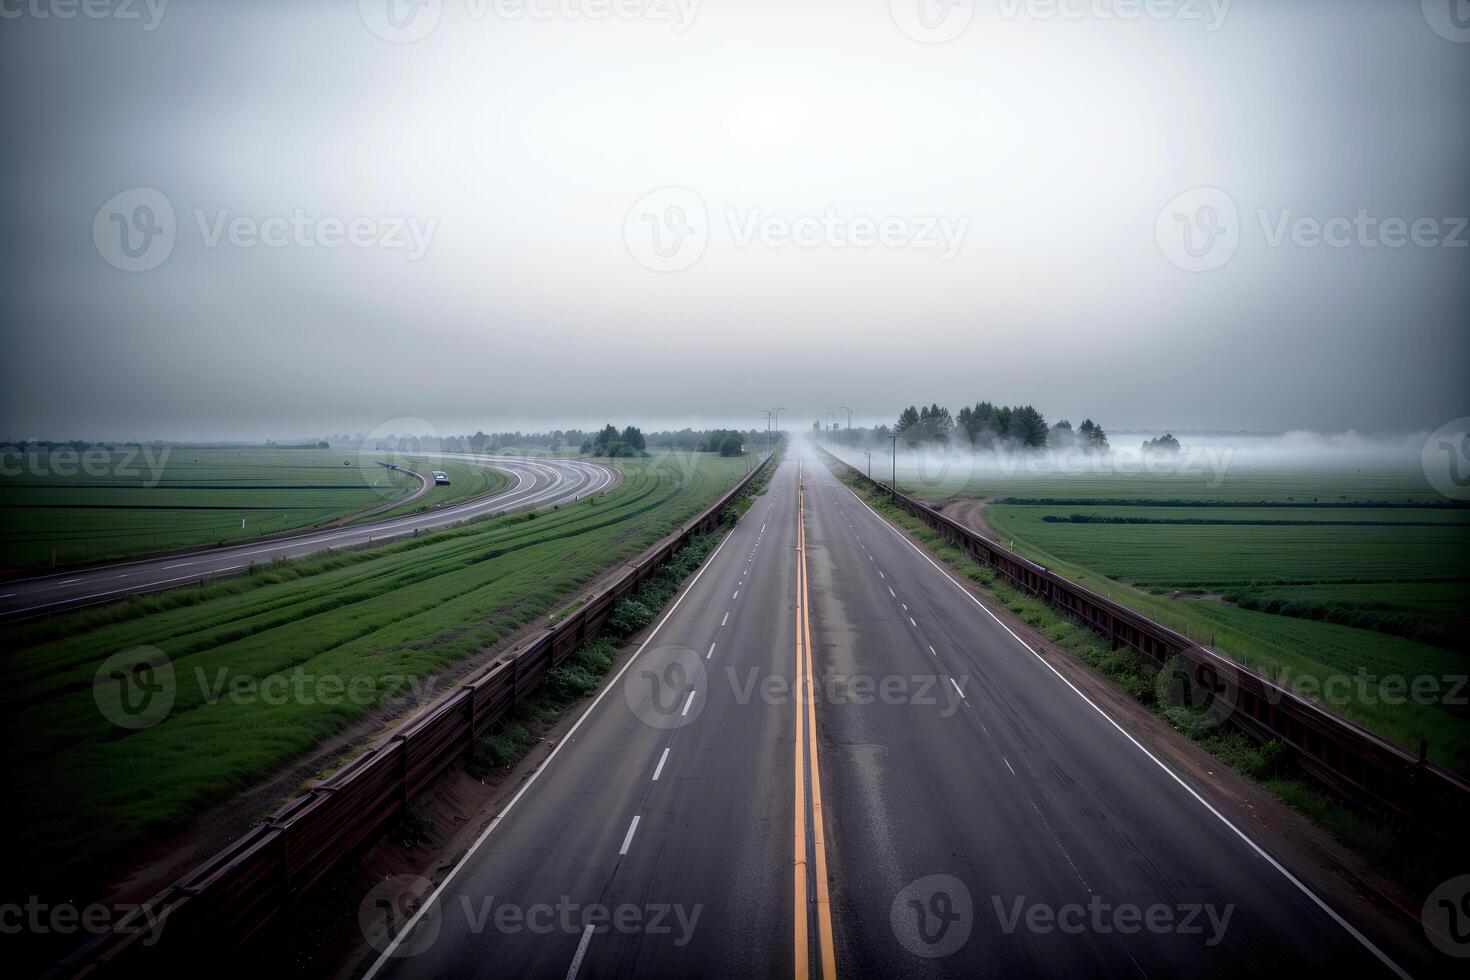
(628, 840)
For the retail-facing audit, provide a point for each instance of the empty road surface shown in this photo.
(944, 805)
(537, 483)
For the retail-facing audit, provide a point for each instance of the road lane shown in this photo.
(706, 705)
(984, 796)
(538, 483)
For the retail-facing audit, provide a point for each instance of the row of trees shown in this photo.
(632, 442)
(988, 426)
(611, 442)
(1165, 443)
(726, 442)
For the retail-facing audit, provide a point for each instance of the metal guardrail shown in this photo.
(1344, 756)
(242, 891)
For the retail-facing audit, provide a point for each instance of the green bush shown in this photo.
(414, 827)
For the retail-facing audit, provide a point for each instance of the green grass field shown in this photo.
(124, 504)
(1326, 581)
(373, 622)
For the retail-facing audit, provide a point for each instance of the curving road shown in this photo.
(538, 483)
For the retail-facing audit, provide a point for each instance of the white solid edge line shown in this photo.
(661, 760)
(628, 837)
(581, 952)
(531, 780)
(1331, 913)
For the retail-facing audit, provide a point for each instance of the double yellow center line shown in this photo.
(806, 731)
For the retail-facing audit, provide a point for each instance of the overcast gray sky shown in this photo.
(708, 208)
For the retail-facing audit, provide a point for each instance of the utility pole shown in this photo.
(893, 482)
(844, 408)
(776, 412)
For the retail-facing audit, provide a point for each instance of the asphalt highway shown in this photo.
(537, 483)
(945, 804)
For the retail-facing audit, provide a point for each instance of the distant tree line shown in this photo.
(988, 426)
(607, 441)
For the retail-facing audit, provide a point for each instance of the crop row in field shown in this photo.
(266, 667)
(941, 481)
(1172, 554)
(122, 503)
(1340, 612)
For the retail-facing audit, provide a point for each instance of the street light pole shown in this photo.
(849, 431)
(777, 424)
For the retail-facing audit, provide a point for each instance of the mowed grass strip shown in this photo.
(1237, 484)
(353, 632)
(128, 504)
(1360, 673)
(1183, 555)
